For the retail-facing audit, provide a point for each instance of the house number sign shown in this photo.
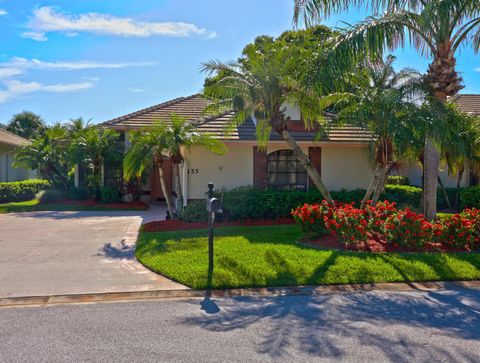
(192, 171)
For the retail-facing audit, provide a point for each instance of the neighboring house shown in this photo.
(9, 143)
(341, 155)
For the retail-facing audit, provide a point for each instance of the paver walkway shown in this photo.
(52, 253)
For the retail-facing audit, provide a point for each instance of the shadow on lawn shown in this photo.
(325, 325)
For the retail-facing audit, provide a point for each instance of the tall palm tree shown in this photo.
(381, 101)
(146, 146)
(48, 153)
(183, 134)
(92, 147)
(436, 28)
(260, 85)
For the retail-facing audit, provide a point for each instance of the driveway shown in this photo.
(52, 253)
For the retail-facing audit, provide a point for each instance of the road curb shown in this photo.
(248, 292)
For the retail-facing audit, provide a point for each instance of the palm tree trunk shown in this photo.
(165, 192)
(380, 184)
(457, 191)
(444, 193)
(307, 164)
(431, 164)
(178, 186)
(373, 184)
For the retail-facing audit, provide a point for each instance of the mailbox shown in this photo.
(214, 205)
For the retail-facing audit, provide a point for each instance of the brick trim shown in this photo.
(260, 179)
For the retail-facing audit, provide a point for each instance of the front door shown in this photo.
(156, 188)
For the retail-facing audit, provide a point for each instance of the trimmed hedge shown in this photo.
(470, 197)
(249, 203)
(398, 180)
(21, 191)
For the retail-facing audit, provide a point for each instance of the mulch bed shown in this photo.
(92, 203)
(376, 244)
(176, 225)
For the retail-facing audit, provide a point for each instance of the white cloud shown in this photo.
(23, 63)
(46, 19)
(14, 89)
(3, 12)
(135, 90)
(8, 72)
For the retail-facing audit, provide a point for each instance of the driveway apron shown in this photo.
(54, 253)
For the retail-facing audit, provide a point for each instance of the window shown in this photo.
(285, 171)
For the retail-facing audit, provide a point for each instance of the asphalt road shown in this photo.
(362, 326)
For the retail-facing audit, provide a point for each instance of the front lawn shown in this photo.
(269, 256)
(34, 205)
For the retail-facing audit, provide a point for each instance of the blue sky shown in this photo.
(102, 59)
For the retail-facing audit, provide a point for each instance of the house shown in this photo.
(341, 155)
(9, 143)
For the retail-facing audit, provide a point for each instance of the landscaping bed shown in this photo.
(177, 225)
(376, 243)
(261, 256)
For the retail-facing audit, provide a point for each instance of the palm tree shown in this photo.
(436, 28)
(381, 101)
(48, 153)
(183, 134)
(92, 147)
(147, 145)
(259, 85)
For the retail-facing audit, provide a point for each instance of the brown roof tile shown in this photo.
(12, 139)
(193, 107)
(469, 103)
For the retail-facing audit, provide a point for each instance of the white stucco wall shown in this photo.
(228, 171)
(343, 166)
(7, 172)
(414, 174)
(346, 167)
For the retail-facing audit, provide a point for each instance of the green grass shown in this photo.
(269, 256)
(33, 205)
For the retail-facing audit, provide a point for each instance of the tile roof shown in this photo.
(469, 103)
(193, 107)
(11, 139)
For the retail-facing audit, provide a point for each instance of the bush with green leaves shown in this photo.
(77, 193)
(21, 191)
(398, 180)
(195, 211)
(49, 196)
(110, 195)
(250, 203)
(470, 197)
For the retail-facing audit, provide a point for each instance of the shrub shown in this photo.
(398, 180)
(21, 191)
(109, 195)
(314, 219)
(470, 197)
(77, 194)
(349, 223)
(49, 196)
(407, 229)
(458, 230)
(403, 195)
(195, 211)
(403, 228)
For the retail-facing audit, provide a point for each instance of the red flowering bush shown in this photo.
(350, 223)
(459, 230)
(401, 228)
(379, 213)
(407, 229)
(314, 218)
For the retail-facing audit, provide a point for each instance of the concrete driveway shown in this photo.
(52, 253)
